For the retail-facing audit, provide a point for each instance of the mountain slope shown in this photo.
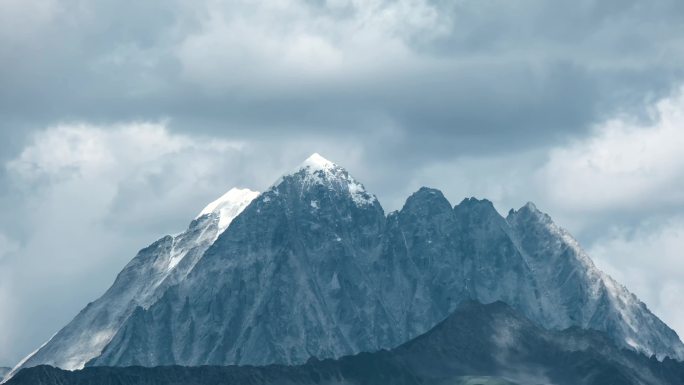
(286, 281)
(588, 297)
(477, 344)
(313, 268)
(140, 284)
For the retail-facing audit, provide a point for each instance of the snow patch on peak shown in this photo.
(359, 194)
(229, 206)
(316, 170)
(311, 167)
(316, 162)
(232, 196)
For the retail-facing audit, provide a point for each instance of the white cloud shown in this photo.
(21, 20)
(7, 246)
(625, 165)
(282, 40)
(138, 170)
(91, 151)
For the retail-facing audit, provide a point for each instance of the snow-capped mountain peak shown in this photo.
(316, 163)
(319, 171)
(229, 206)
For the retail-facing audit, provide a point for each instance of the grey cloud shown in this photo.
(506, 74)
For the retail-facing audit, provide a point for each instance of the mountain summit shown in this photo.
(316, 162)
(312, 267)
(318, 171)
(286, 281)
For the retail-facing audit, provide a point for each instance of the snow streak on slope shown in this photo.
(229, 206)
(140, 284)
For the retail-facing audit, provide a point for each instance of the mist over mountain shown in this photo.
(314, 268)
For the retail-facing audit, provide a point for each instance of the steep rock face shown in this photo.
(435, 257)
(141, 283)
(576, 293)
(494, 268)
(415, 243)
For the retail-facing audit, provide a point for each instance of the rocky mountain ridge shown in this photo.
(313, 267)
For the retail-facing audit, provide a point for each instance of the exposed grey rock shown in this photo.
(576, 293)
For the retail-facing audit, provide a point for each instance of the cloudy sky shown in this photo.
(118, 123)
